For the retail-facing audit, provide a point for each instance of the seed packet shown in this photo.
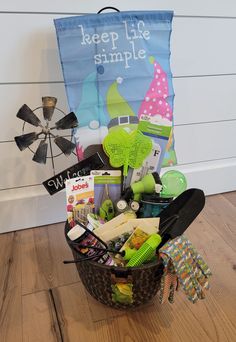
(79, 199)
(142, 229)
(136, 240)
(117, 237)
(130, 235)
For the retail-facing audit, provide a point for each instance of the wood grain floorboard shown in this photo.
(43, 252)
(31, 264)
(180, 322)
(99, 311)
(231, 197)
(10, 288)
(221, 259)
(39, 318)
(220, 213)
(73, 313)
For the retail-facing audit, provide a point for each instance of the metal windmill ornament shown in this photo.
(45, 127)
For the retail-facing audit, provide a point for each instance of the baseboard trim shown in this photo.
(212, 177)
(33, 207)
(30, 207)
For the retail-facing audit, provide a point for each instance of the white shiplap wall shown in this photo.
(204, 68)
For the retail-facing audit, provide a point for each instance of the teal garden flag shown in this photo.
(116, 68)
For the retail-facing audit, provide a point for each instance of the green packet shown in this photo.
(107, 191)
(160, 135)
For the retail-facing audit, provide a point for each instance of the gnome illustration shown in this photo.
(155, 102)
(90, 111)
(118, 109)
(156, 109)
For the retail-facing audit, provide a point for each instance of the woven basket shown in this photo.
(98, 279)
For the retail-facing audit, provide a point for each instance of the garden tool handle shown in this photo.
(108, 7)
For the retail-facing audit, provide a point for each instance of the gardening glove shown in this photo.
(169, 284)
(191, 270)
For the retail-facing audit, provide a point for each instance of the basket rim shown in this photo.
(112, 267)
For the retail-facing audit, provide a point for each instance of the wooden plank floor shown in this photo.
(41, 299)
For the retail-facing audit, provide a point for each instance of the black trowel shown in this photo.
(184, 209)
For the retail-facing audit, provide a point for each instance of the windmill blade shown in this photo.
(25, 140)
(64, 145)
(40, 155)
(49, 104)
(69, 121)
(27, 115)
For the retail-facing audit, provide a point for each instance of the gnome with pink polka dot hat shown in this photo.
(155, 102)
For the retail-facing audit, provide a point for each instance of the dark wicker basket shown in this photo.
(98, 279)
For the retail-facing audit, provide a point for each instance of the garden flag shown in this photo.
(116, 70)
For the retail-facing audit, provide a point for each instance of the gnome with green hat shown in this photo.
(120, 112)
(124, 144)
